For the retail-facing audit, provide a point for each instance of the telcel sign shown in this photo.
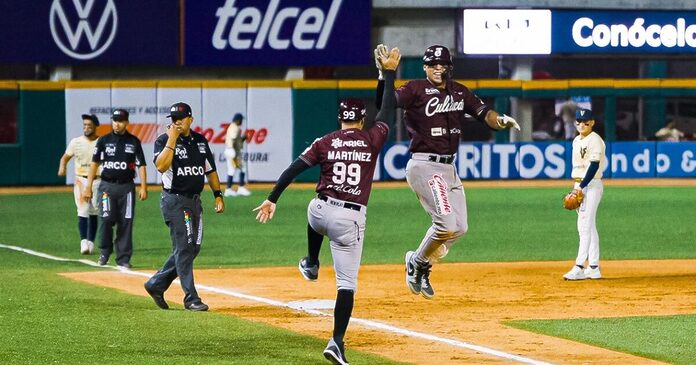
(505, 32)
(277, 32)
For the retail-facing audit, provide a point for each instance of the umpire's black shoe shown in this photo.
(198, 307)
(103, 259)
(309, 272)
(334, 353)
(157, 297)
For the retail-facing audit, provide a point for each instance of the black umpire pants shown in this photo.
(116, 208)
(184, 217)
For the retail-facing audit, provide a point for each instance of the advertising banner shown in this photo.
(81, 100)
(269, 147)
(505, 31)
(623, 31)
(275, 32)
(66, 32)
(676, 159)
(220, 103)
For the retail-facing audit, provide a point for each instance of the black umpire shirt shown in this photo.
(119, 154)
(192, 161)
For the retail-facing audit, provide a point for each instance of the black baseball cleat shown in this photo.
(426, 289)
(103, 259)
(157, 297)
(310, 273)
(334, 353)
(197, 307)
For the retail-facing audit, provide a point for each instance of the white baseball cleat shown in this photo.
(230, 192)
(84, 247)
(591, 273)
(90, 247)
(576, 273)
(243, 191)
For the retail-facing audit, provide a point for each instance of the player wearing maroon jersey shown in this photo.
(433, 110)
(347, 158)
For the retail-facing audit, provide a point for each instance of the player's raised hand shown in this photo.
(265, 211)
(390, 61)
(380, 51)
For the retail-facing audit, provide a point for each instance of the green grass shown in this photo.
(665, 338)
(62, 321)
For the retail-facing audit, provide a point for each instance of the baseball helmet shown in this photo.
(437, 55)
(351, 110)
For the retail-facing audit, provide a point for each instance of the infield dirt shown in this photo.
(472, 302)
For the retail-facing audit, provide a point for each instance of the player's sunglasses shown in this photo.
(585, 122)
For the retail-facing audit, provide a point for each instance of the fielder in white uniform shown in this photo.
(588, 164)
(234, 140)
(82, 148)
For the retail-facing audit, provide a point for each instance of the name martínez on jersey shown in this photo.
(350, 156)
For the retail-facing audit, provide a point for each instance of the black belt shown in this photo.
(182, 193)
(446, 159)
(346, 204)
(117, 181)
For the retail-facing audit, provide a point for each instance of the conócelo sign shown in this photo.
(623, 32)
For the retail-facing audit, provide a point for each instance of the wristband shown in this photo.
(217, 193)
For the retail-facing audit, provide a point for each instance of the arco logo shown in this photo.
(71, 21)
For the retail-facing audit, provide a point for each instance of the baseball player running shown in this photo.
(588, 164)
(433, 110)
(81, 148)
(347, 158)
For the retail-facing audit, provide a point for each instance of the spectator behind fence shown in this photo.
(669, 133)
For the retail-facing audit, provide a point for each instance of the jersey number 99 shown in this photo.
(346, 173)
(349, 115)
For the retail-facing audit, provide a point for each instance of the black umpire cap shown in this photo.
(91, 117)
(119, 115)
(179, 111)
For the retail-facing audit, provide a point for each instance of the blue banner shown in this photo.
(277, 32)
(623, 32)
(66, 32)
(676, 159)
(553, 160)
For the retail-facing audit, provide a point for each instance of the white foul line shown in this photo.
(275, 303)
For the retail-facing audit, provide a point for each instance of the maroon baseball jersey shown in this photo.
(347, 158)
(433, 116)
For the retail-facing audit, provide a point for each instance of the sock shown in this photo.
(230, 180)
(314, 241)
(593, 267)
(342, 313)
(580, 266)
(242, 179)
(82, 226)
(92, 228)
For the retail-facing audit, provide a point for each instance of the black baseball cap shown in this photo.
(91, 117)
(179, 111)
(119, 115)
(238, 116)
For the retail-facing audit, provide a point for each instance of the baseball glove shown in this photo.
(573, 200)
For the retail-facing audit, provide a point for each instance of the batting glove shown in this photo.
(505, 121)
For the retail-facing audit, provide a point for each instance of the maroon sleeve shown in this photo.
(378, 135)
(312, 154)
(405, 95)
(474, 106)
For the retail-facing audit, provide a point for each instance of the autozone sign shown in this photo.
(277, 32)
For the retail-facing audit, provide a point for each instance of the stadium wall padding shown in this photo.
(41, 116)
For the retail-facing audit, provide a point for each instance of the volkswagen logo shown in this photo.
(72, 26)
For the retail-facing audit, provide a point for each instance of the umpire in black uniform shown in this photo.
(184, 159)
(118, 152)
